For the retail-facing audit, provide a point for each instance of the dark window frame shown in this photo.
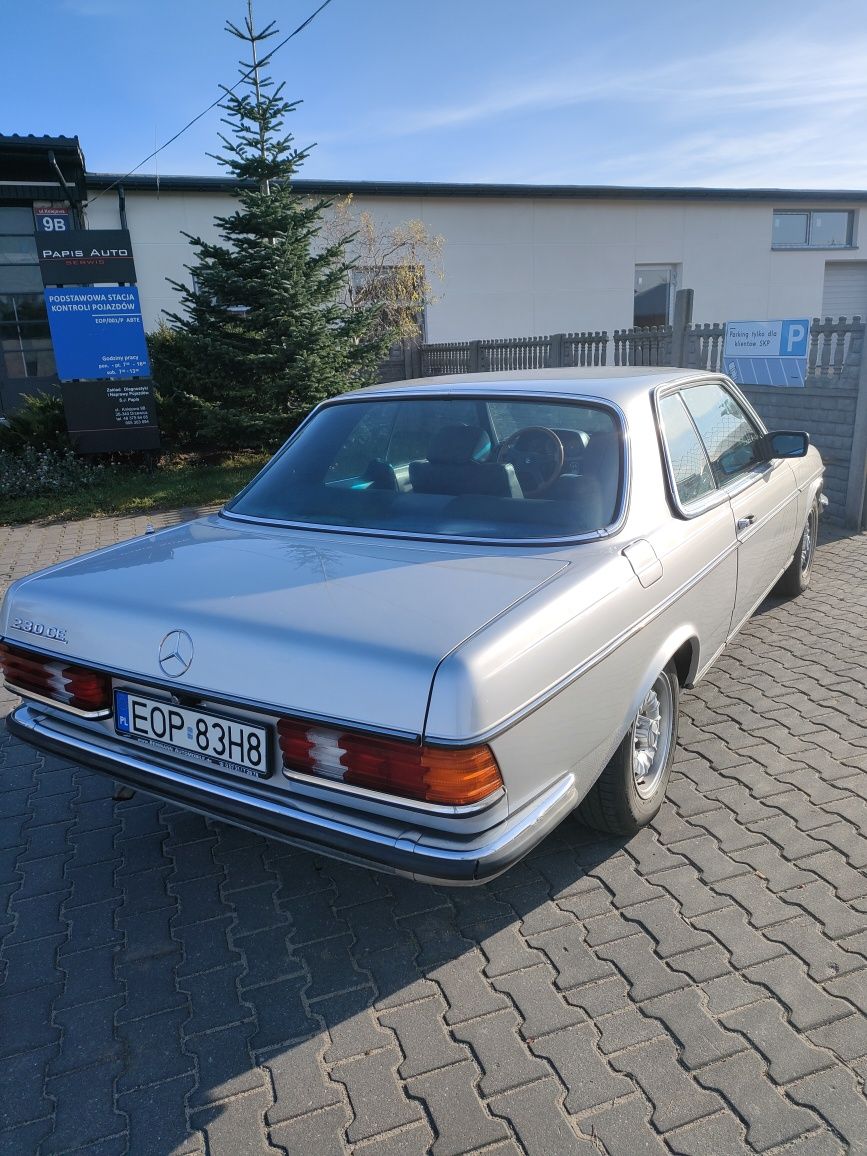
(850, 242)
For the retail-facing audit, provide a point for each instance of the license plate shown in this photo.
(230, 744)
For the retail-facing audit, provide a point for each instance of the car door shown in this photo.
(763, 494)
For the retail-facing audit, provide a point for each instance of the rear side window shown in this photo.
(690, 468)
(730, 438)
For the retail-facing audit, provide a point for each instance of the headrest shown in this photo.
(456, 444)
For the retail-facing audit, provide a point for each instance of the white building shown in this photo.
(519, 261)
(524, 260)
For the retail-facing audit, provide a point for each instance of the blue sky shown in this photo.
(760, 93)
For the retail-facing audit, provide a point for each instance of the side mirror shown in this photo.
(786, 444)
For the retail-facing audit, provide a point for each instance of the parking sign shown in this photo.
(767, 352)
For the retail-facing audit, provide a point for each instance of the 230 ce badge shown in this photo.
(57, 633)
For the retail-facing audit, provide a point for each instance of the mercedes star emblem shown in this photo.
(176, 653)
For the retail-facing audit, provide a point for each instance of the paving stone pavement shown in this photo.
(172, 985)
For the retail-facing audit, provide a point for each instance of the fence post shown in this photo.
(474, 357)
(683, 301)
(855, 491)
(411, 357)
(854, 354)
(555, 351)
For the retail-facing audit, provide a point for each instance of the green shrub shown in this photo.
(39, 424)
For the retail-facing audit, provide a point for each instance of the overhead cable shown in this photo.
(265, 59)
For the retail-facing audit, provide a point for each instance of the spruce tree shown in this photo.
(263, 333)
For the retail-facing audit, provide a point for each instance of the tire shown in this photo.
(796, 578)
(632, 787)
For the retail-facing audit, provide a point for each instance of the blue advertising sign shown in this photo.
(97, 332)
(767, 352)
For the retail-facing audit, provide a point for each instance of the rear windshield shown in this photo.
(458, 467)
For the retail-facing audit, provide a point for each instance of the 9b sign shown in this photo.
(51, 219)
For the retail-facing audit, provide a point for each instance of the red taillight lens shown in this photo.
(63, 682)
(89, 689)
(295, 745)
(453, 777)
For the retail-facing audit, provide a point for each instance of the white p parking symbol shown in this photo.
(795, 335)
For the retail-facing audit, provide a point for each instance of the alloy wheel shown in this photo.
(651, 738)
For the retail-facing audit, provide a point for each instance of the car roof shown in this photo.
(620, 384)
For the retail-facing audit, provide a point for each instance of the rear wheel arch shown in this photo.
(685, 660)
(631, 787)
(614, 804)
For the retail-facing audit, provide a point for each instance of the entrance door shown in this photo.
(655, 286)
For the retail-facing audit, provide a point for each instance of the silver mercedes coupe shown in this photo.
(447, 613)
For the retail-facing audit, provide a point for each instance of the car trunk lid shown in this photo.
(317, 624)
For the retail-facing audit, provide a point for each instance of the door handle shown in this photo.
(745, 522)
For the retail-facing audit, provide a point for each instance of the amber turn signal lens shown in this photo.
(452, 777)
(461, 776)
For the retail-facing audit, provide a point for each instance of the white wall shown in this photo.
(524, 266)
(156, 224)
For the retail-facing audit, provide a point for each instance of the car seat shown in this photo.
(455, 465)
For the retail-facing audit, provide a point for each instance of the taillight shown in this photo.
(454, 777)
(295, 745)
(64, 683)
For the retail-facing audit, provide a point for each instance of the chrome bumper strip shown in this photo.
(425, 856)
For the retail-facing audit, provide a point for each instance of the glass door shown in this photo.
(655, 286)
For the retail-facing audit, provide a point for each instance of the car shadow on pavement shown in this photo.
(250, 965)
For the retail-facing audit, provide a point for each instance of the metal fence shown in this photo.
(500, 354)
(835, 350)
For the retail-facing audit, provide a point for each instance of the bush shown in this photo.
(32, 472)
(40, 424)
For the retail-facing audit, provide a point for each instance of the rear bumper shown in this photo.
(421, 855)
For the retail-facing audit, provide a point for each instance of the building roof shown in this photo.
(30, 140)
(175, 183)
(26, 171)
(67, 146)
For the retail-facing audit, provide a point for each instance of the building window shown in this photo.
(655, 286)
(813, 229)
(17, 221)
(25, 342)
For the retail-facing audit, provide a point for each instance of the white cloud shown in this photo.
(750, 77)
(784, 113)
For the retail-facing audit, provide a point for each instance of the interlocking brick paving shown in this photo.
(170, 984)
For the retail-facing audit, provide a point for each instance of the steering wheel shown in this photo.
(537, 455)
